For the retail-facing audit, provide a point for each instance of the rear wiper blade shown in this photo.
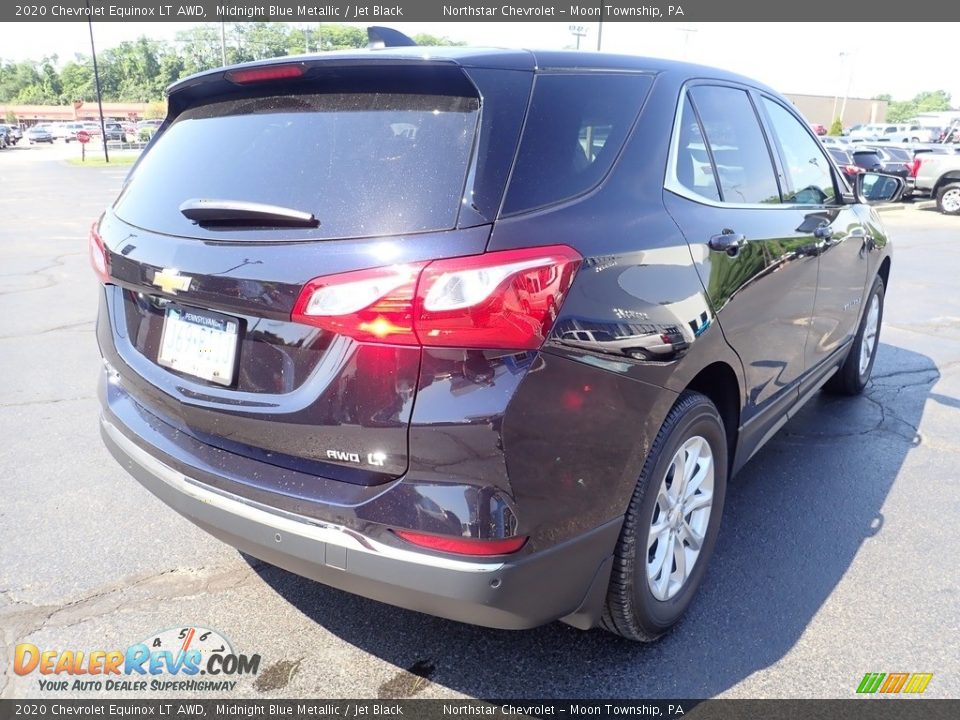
(242, 213)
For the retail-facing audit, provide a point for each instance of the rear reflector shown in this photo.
(264, 74)
(99, 258)
(463, 546)
(506, 300)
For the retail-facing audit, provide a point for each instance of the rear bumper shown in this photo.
(567, 581)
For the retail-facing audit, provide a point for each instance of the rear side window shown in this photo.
(742, 162)
(364, 164)
(575, 127)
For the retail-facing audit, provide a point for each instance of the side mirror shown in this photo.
(873, 188)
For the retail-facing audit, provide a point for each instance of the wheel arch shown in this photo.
(951, 176)
(884, 271)
(718, 381)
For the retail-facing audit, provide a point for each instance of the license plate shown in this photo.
(199, 343)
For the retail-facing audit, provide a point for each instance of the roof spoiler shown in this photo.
(381, 37)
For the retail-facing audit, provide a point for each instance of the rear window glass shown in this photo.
(841, 156)
(897, 154)
(574, 130)
(363, 163)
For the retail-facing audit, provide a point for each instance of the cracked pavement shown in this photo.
(838, 555)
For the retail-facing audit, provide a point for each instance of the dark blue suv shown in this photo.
(481, 333)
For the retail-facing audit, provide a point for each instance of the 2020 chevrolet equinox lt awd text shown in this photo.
(480, 333)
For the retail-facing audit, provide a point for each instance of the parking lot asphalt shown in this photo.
(838, 553)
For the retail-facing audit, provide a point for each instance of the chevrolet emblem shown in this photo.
(171, 281)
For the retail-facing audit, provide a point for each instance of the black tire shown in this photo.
(849, 380)
(631, 610)
(953, 189)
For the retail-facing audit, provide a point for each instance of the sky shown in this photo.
(812, 58)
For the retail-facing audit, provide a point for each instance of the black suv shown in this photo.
(481, 333)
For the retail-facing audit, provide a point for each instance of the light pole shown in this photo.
(846, 93)
(223, 43)
(578, 31)
(96, 78)
(687, 31)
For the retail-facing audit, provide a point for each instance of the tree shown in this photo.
(836, 127)
(928, 101)
(434, 40)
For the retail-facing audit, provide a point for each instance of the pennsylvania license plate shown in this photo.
(199, 343)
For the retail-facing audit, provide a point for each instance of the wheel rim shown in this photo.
(950, 200)
(680, 519)
(869, 341)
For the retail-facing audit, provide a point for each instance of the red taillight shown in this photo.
(99, 257)
(852, 169)
(507, 300)
(914, 167)
(263, 74)
(463, 546)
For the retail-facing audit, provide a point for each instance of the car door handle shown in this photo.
(728, 241)
(823, 232)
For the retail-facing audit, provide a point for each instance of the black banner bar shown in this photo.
(226, 709)
(385, 12)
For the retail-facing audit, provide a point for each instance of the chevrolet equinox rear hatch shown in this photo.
(260, 181)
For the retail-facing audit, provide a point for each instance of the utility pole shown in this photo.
(96, 77)
(223, 42)
(578, 31)
(851, 59)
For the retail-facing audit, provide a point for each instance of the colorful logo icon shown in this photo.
(893, 683)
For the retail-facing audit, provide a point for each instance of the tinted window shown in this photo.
(694, 170)
(808, 171)
(897, 154)
(841, 156)
(731, 128)
(867, 160)
(575, 128)
(363, 163)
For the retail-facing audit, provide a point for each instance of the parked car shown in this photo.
(939, 175)
(5, 139)
(68, 131)
(503, 410)
(836, 140)
(39, 134)
(114, 131)
(819, 129)
(882, 160)
(886, 132)
(14, 133)
(844, 161)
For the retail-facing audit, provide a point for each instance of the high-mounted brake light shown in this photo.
(263, 74)
(507, 300)
(99, 258)
(463, 546)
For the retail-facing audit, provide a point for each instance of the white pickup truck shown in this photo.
(939, 174)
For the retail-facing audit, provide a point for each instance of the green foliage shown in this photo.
(836, 127)
(140, 70)
(10, 118)
(427, 39)
(929, 101)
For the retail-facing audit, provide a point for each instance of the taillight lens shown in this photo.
(373, 305)
(99, 258)
(914, 167)
(463, 546)
(507, 299)
(852, 169)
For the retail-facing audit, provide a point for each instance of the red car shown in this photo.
(818, 129)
